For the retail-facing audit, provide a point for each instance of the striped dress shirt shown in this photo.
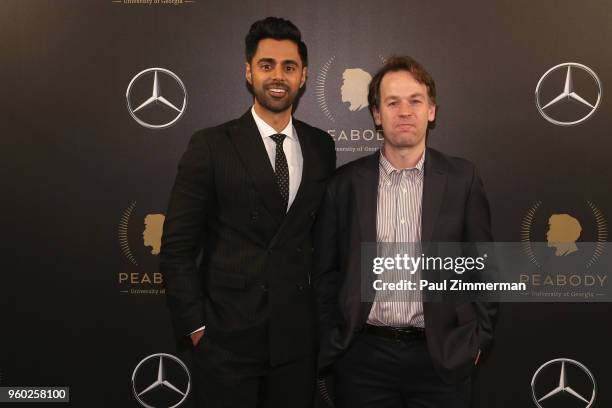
(398, 231)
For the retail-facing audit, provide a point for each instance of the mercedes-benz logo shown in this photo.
(178, 389)
(156, 98)
(568, 93)
(563, 385)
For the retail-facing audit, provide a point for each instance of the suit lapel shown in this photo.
(434, 184)
(250, 147)
(366, 192)
(308, 159)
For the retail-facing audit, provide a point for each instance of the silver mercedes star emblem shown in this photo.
(564, 386)
(568, 93)
(156, 98)
(179, 387)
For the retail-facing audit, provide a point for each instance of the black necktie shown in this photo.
(281, 169)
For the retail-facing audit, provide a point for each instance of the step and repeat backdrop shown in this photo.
(100, 98)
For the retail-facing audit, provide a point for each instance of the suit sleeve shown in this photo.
(478, 229)
(327, 280)
(191, 200)
(326, 264)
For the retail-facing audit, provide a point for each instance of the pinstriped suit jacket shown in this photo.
(252, 287)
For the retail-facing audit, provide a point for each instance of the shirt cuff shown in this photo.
(197, 330)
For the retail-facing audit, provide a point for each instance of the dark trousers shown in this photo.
(376, 372)
(222, 379)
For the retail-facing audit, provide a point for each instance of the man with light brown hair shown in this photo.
(399, 350)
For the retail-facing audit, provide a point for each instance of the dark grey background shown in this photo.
(74, 159)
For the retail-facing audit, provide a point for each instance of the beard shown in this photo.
(272, 103)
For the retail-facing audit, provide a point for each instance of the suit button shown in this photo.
(300, 287)
(264, 287)
(313, 214)
(299, 249)
(254, 215)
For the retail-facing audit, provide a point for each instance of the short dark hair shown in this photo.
(277, 29)
(400, 63)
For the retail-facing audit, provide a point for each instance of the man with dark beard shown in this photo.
(250, 190)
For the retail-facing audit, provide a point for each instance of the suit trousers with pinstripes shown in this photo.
(223, 379)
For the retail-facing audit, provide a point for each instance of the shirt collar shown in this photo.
(388, 168)
(266, 130)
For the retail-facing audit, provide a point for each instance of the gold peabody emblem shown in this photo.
(149, 234)
(565, 264)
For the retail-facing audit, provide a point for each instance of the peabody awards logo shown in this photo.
(564, 242)
(156, 98)
(563, 382)
(568, 94)
(342, 95)
(161, 380)
(139, 234)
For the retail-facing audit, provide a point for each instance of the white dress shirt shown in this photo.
(291, 147)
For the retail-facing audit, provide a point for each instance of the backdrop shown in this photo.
(99, 100)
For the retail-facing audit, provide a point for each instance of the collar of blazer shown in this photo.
(366, 187)
(249, 145)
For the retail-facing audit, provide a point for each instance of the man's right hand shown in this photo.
(196, 337)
